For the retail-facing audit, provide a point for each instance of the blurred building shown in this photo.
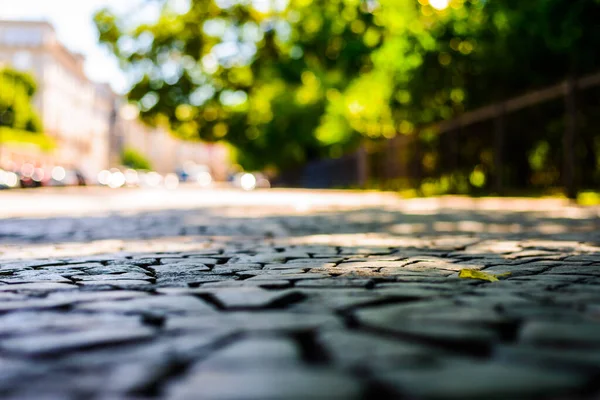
(82, 116)
(74, 110)
(167, 153)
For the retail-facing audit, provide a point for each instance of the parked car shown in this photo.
(66, 177)
(250, 181)
(195, 173)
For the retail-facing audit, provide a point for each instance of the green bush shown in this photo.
(133, 159)
(16, 136)
(16, 93)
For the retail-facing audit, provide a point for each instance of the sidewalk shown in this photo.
(199, 294)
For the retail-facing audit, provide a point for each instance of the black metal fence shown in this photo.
(544, 139)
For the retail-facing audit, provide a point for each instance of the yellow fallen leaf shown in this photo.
(484, 276)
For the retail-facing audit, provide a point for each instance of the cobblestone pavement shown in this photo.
(302, 301)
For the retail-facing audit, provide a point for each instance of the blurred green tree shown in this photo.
(260, 79)
(290, 81)
(16, 93)
(133, 159)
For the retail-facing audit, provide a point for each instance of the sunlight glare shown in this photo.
(439, 4)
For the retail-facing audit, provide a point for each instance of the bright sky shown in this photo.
(72, 20)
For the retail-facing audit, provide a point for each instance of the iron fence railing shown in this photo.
(501, 139)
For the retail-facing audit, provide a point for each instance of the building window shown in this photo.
(22, 60)
(22, 37)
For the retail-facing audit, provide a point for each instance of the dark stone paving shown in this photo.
(329, 305)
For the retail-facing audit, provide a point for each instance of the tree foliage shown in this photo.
(16, 110)
(303, 79)
(133, 159)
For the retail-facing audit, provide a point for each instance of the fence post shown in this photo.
(454, 154)
(362, 167)
(569, 139)
(499, 133)
(417, 170)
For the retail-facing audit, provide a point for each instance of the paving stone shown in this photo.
(336, 282)
(113, 277)
(467, 327)
(363, 250)
(363, 274)
(558, 282)
(168, 349)
(315, 266)
(560, 359)
(375, 258)
(98, 295)
(268, 258)
(315, 263)
(550, 245)
(277, 384)
(497, 301)
(443, 284)
(290, 277)
(548, 255)
(493, 246)
(33, 276)
(251, 297)
(118, 283)
(587, 258)
(66, 271)
(415, 273)
(272, 273)
(46, 321)
(33, 304)
(478, 380)
(164, 304)
(373, 264)
(516, 270)
(254, 353)
(411, 292)
(196, 260)
(21, 265)
(12, 370)
(135, 377)
(113, 269)
(561, 333)
(232, 269)
(44, 344)
(351, 349)
(543, 312)
(8, 296)
(256, 321)
(341, 299)
(264, 283)
(593, 270)
(179, 267)
(38, 286)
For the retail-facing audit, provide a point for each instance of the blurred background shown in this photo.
(423, 97)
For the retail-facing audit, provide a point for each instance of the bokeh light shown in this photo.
(203, 178)
(439, 4)
(171, 181)
(153, 179)
(58, 173)
(117, 179)
(132, 177)
(38, 175)
(11, 179)
(104, 177)
(27, 170)
(248, 181)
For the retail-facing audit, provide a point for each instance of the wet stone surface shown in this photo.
(347, 304)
